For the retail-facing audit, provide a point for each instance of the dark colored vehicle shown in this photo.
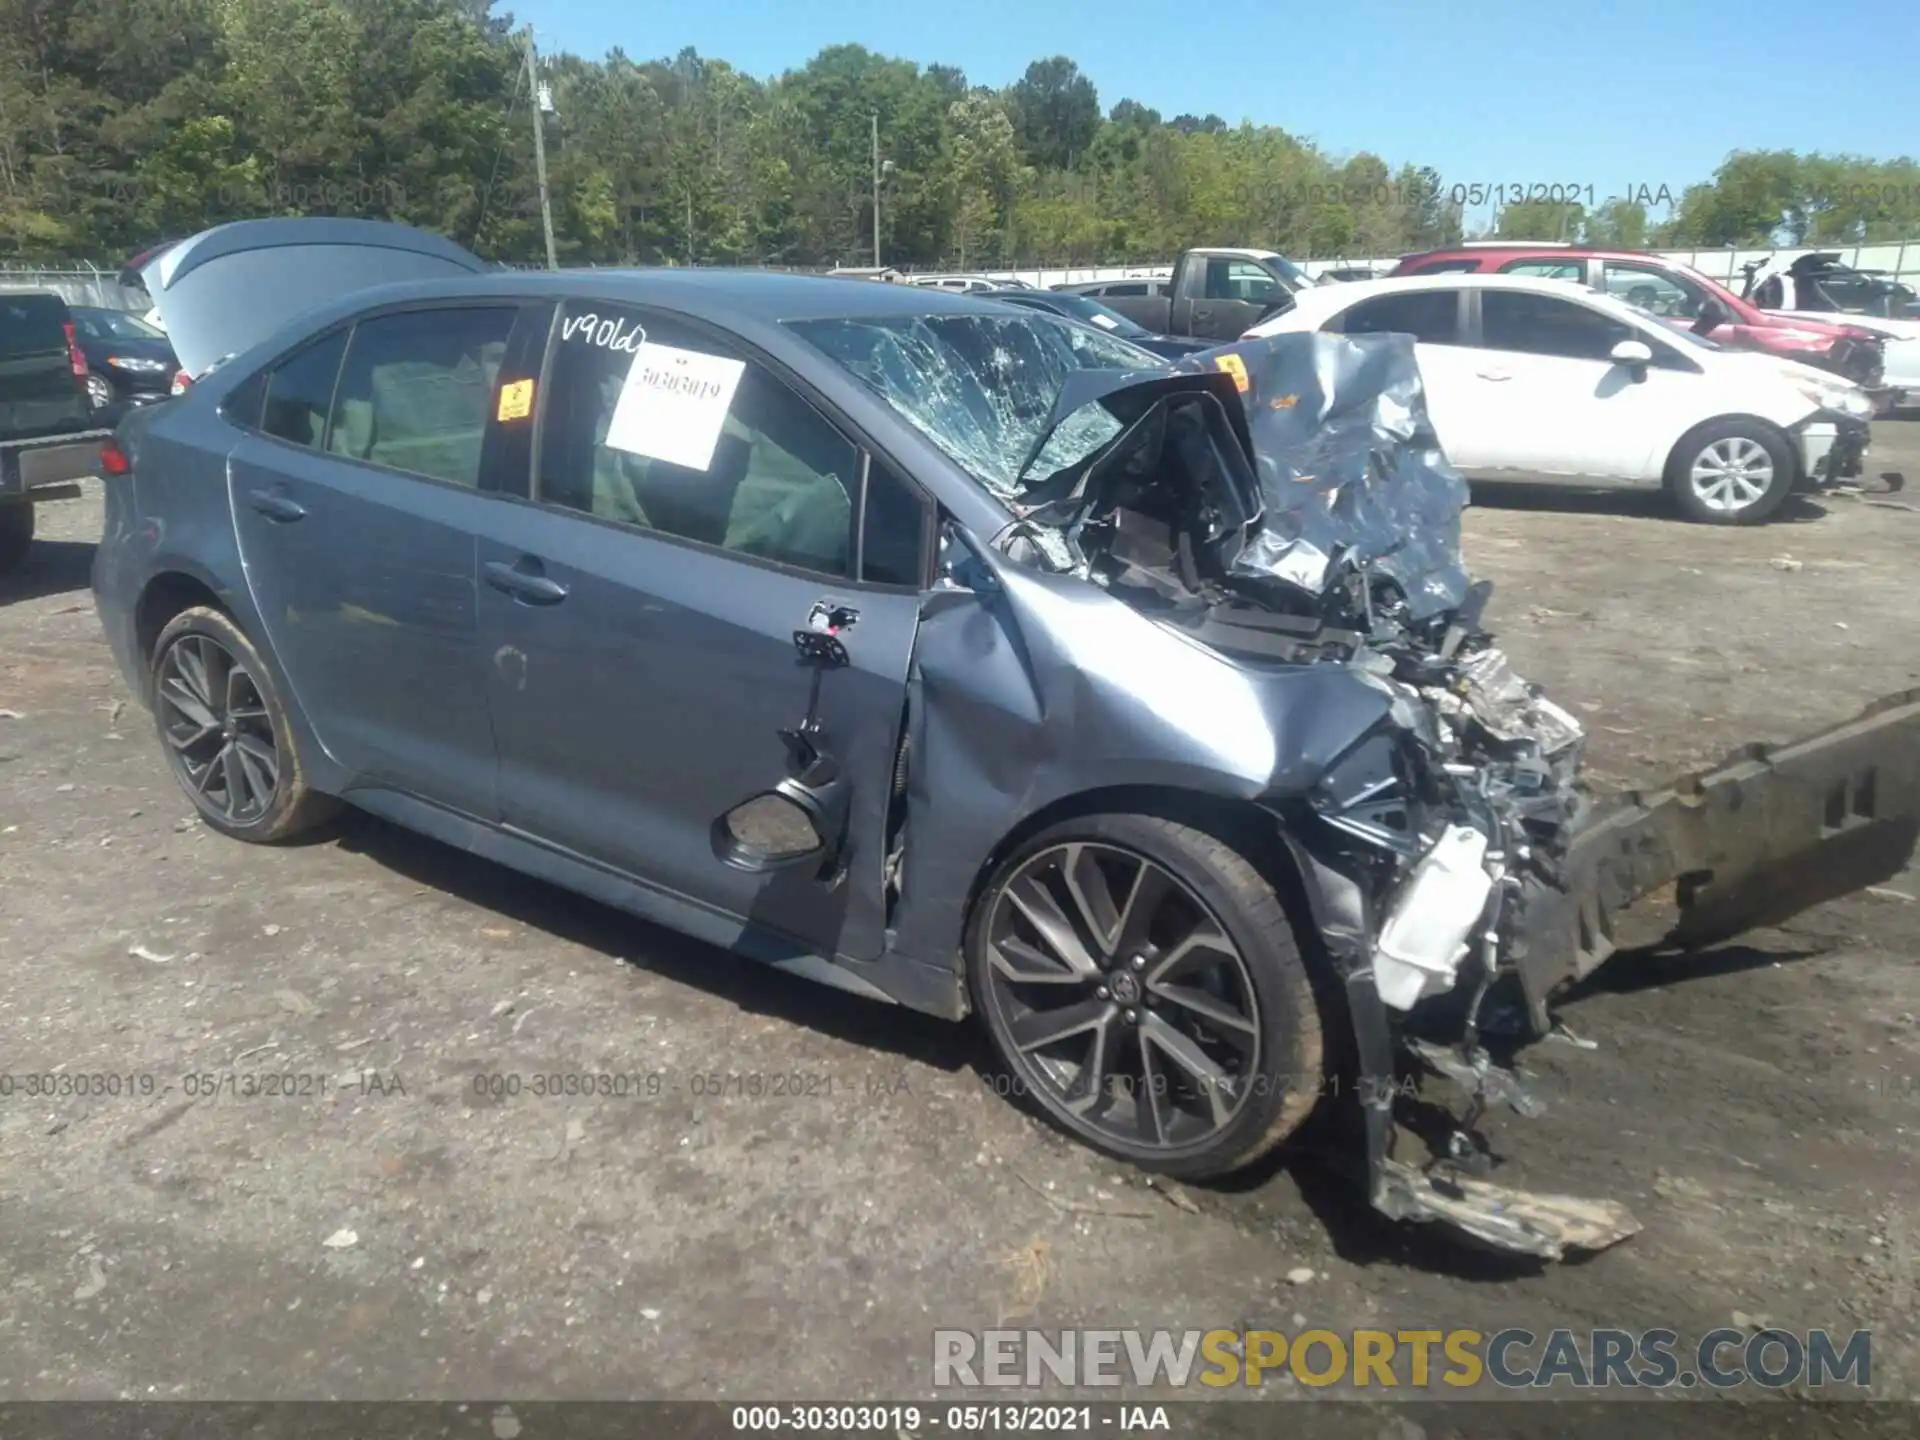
(1821, 281)
(1089, 311)
(1215, 295)
(127, 359)
(909, 642)
(1678, 294)
(48, 432)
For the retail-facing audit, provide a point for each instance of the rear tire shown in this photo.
(1158, 1009)
(16, 535)
(1731, 472)
(225, 731)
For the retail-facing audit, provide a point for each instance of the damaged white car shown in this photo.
(958, 656)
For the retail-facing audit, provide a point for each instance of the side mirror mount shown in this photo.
(1632, 352)
(1711, 317)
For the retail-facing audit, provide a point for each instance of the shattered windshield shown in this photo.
(983, 387)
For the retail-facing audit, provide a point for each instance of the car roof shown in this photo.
(1323, 299)
(1542, 248)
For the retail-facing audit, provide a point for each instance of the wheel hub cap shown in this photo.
(1732, 474)
(1120, 997)
(219, 737)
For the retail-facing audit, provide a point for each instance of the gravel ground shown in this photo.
(393, 1229)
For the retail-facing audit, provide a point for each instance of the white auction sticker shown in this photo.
(673, 404)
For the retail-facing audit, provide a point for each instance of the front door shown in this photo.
(1550, 400)
(689, 513)
(357, 498)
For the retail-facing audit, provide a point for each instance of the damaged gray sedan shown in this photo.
(962, 658)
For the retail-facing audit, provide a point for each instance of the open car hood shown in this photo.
(228, 288)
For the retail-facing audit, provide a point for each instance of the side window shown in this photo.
(778, 483)
(1445, 267)
(1653, 291)
(1122, 290)
(1229, 279)
(415, 389)
(893, 539)
(1430, 316)
(1547, 325)
(1772, 294)
(299, 392)
(1547, 269)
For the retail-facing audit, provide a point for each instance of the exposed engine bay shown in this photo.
(1285, 503)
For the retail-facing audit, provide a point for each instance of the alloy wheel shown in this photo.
(99, 392)
(1121, 997)
(218, 732)
(1732, 474)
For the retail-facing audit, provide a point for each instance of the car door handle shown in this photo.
(1494, 374)
(522, 584)
(276, 506)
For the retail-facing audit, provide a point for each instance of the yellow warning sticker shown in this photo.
(516, 400)
(1237, 368)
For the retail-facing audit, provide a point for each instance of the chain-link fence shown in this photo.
(78, 283)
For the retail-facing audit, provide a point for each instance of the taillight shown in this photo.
(113, 460)
(181, 380)
(74, 355)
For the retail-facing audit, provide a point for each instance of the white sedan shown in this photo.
(1530, 378)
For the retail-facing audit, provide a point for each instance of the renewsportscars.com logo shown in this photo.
(1511, 1359)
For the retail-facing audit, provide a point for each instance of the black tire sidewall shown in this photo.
(290, 790)
(1786, 471)
(1281, 993)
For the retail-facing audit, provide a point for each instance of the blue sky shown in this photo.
(1609, 95)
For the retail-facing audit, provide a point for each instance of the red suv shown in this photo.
(1675, 293)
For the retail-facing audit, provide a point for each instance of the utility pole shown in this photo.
(540, 151)
(875, 117)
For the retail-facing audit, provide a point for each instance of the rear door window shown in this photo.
(415, 390)
(1430, 316)
(1547, 269)
(1654, 291)
(300, 392)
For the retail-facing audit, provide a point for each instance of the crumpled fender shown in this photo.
(1014, 706)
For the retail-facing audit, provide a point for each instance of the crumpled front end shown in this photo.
(1446, 849)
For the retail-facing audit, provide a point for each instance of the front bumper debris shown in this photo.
(1833, 450)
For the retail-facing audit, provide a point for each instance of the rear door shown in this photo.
(690, 511)
(357, 496)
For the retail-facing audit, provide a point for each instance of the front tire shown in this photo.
(225, 731)
(1143, 987)
(1731, 472)
(99, 391)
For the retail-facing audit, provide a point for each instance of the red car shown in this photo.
(1675, 293)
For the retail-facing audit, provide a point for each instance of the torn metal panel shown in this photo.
(1350, 467)
(1754, 841)
(1522, 1221)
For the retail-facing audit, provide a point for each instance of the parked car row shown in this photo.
(1560, 362)
(50, 425)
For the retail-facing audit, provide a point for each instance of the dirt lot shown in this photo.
(395, 1231)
